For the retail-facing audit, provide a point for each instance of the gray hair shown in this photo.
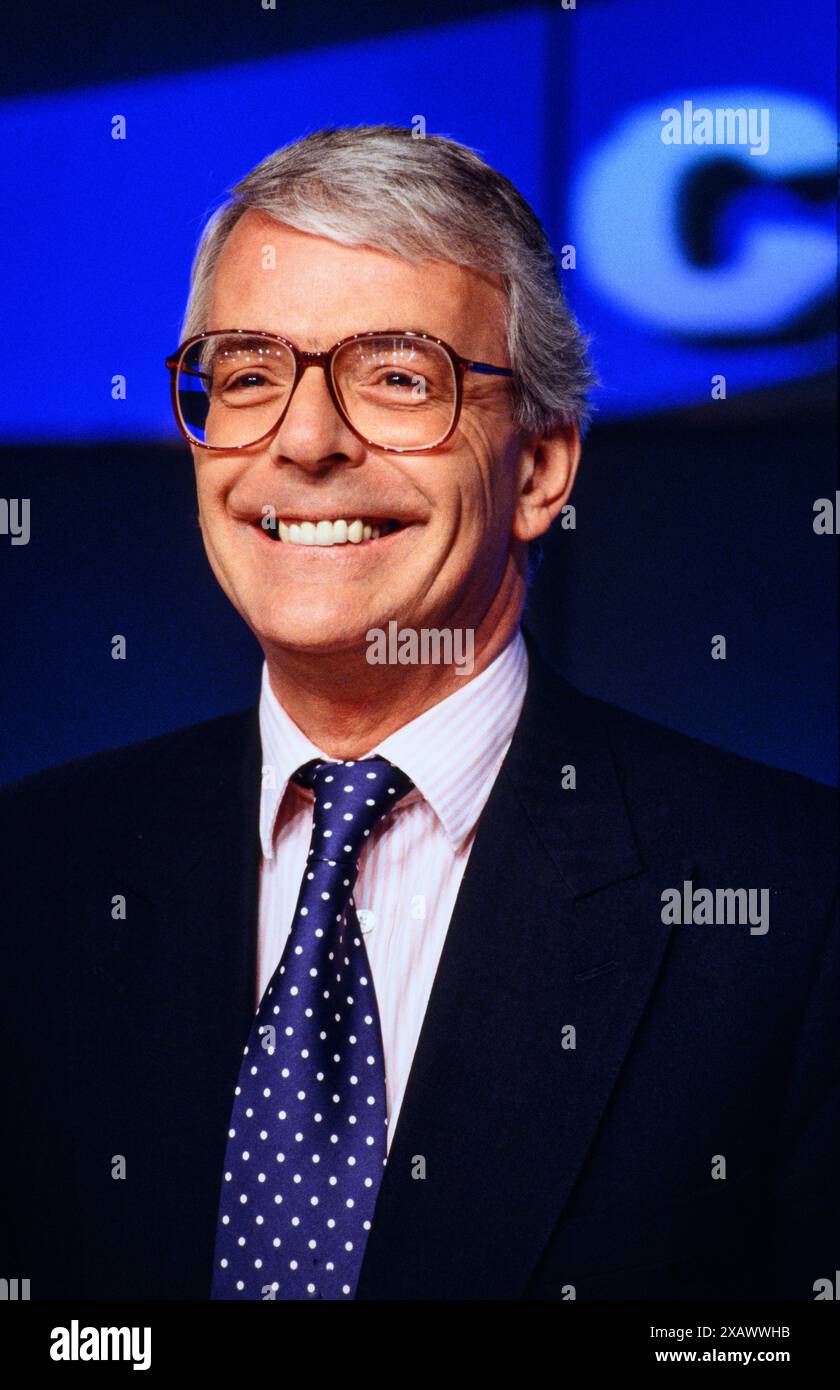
(426, 198)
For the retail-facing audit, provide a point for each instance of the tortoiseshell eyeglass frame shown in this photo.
(324, 359)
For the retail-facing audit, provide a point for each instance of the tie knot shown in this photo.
(350, 799)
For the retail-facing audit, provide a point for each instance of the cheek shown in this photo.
(201, 489)
(210, 495)
(489, 472)
(212, 526)
(473, 535)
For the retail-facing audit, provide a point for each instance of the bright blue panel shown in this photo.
(103, 231)
(100, 234)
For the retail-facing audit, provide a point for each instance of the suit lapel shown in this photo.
(556, 926)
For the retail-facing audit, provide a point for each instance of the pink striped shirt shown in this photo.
(411, 867)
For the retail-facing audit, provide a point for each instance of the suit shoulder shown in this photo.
(643, 738)
(683, 792)
(127, 772)
(697, 781)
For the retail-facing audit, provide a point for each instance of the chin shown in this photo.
(311, 632)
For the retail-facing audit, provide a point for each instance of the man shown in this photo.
(423, 978)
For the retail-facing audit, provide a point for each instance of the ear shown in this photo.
(547, 468)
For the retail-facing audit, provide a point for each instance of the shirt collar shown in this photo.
(285, 747)
(451, 752)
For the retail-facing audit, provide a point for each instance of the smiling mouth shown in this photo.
(342, 531)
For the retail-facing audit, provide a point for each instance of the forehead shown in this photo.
(315, 291)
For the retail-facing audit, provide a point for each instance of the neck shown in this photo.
(346, 706)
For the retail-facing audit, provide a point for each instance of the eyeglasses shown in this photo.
(397, 391)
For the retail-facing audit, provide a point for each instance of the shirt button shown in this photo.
(367, 919)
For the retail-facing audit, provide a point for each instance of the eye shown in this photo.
(397, 379)
(246, 379)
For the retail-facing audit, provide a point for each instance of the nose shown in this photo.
(312, 435)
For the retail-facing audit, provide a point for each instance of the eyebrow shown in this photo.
(243, 339)
(249, 334)
(246, 340)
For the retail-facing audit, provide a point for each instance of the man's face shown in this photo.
(455, 505)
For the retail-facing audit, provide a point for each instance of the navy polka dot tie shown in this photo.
(307, 1139)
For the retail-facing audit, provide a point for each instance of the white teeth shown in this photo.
(338, 532)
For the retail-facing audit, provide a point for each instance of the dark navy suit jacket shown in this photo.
(551, 1171)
